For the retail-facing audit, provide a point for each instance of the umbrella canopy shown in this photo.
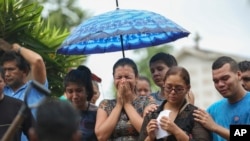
(119, 30)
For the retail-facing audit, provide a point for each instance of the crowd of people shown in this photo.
(136, 112)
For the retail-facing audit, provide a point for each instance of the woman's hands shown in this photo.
(168, 125)
(165, 123)
(205, 119)
(125, 93)
(151, 127)
(150, 108)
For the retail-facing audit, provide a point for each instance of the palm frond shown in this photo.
(22, 23)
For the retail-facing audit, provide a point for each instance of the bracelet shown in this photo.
(19, 50)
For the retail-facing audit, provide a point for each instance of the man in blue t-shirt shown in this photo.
(234, 108)
(18, 62)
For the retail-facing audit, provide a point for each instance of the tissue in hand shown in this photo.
(160, 133)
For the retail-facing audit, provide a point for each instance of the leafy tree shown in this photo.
(62, 13)
(22, 23)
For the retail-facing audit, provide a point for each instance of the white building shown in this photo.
(199, 64)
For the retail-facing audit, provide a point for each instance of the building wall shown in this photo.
(199, 64)
(201, 79)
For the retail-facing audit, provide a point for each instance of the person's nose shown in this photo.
(74, 94)
(6, 73)
(155, 73)
(123, 79)
(143, 93)
(221, 83)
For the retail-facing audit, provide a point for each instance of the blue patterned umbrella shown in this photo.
(119, 30)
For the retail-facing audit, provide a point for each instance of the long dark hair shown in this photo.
(82, 77)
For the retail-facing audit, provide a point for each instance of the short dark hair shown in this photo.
(56, 120)
(168, 59)
(221, 61)
(126, 61)
(244, 66)
(22, 64)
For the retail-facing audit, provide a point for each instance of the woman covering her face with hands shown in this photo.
(180, 123)
(120, 119)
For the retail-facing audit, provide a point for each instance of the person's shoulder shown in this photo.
(217, 104)
(189, 107)
(106, 102)
(245, 99)
(11, 102)
(192, 106)
(248, 94)
(154, 94)
(92, 107)
(12, 99)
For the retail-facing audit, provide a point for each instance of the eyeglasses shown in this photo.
(246, 79)
(177, 90)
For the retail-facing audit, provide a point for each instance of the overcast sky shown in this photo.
(222, 24)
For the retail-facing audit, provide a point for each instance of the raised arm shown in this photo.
(37, 65)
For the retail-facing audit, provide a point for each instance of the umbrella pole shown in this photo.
(117, 5)
(123, 54)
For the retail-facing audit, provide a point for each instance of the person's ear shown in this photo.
(32, 135)
(239, 74)
(77, 136)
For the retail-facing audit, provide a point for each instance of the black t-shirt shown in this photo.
(9, 108)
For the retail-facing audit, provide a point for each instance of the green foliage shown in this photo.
(22, 23)
(16, 18)
(62, 13)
